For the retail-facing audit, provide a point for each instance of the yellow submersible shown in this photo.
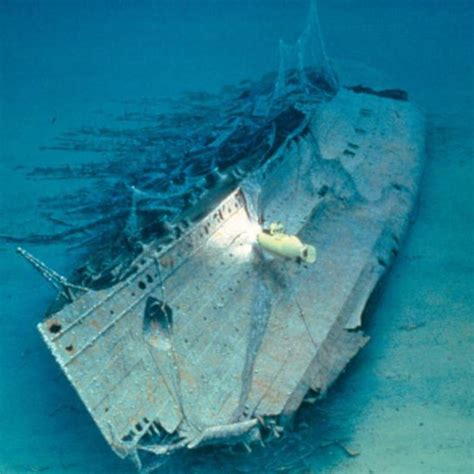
(275, 241)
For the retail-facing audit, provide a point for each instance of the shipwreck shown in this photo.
(212, 332)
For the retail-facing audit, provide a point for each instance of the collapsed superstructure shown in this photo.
(202, 337)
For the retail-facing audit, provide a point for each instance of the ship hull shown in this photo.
(212, 341)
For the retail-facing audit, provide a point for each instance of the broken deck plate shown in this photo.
(210, 341)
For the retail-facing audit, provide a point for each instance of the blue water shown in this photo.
(405, 404)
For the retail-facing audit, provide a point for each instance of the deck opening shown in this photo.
(55, 328)
(157, 323)
(128, 438)
(323, 190)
